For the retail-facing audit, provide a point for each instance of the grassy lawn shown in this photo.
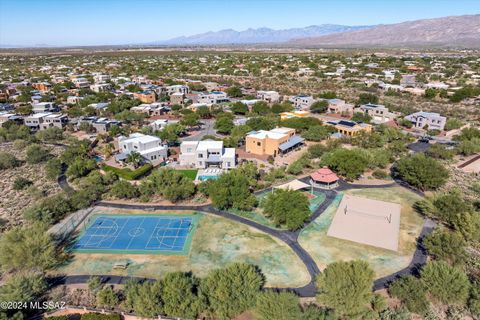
(325, 249)
(127, 173)
(257, 215)
(189, 173)
(216, 243)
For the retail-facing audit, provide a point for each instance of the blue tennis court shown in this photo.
(147, 234)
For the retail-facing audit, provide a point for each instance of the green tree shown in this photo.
(278, 306)
(439, 151)
(319, 106)
(317, 133)
(453, 123)
(261, 108)
(28, 247)
(234, 92)
(172, 185)
(36, 154)
(190, 120)
(430, 93)
(179, 295)
(412, 292)
(287, 207)
(446, 245)
(80, 168)
(365, 98)
(232, 290)
(8, 161)
(262, 123)
(53, 168)
(21, 183)
(107, 298)
(95, 284)
(361, 117)
(144, 299)
(134, 158)
(171, 133)
(348, 163)
(124, 190)
(445, 283)
(232, 190)
(52, 134)
(239, 108)
(346, 287)
(224, 124)
(23, 287)
(421, 172)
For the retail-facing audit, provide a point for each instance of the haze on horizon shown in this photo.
(109, 22)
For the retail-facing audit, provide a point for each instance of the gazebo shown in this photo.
(324, 178)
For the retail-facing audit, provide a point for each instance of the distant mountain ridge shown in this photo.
(453, 31)
(257, 36)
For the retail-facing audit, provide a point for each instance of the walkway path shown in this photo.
(287, 236)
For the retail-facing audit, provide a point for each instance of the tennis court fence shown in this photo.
(69, 224)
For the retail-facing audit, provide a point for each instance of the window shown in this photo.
(258, 144)
(200, 155)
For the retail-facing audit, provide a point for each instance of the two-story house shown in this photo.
(379, 113)
(54, 120)
(149, 147)
(273, 142)
(302, 101)
(207, 153)
(268, 96)
(429, 120)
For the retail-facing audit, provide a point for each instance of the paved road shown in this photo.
(289, 237)
(206, 129)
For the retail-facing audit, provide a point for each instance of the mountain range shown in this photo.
(453, 31)
(258, 36)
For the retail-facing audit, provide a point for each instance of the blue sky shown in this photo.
(97, 22)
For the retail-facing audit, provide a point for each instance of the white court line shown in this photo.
(153, 233)
(109, 236)
(164, 237)
(131, 238)
(126, 222)
(96, 228)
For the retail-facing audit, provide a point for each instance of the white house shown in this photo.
(177, 88)
(268, 96)
(100, 87)
(35, 120)
(214, 97)
(159, 124)
(302, 101)
(431, 120)
(207, 153)
(43, 107)
(54, 120)
(150, 148)
(379, 113)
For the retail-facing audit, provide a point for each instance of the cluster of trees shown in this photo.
(222, 294)
(287, 208)
(469, 141)
(421, 171)
(233, 189)
(452, 277)
(167, 182)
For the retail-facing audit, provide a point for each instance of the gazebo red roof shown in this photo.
(324, 175)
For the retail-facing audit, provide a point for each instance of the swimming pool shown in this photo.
(206, 178)
(97, 158)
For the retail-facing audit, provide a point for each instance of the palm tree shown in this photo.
(134, 158)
